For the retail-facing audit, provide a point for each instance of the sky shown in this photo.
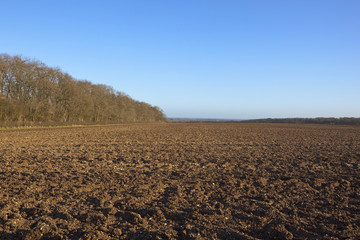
(230, 59)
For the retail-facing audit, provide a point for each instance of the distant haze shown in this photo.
(201, 59)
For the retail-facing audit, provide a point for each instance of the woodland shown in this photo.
(320, 120)
(32, 93)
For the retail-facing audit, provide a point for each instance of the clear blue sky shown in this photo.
(201, 58)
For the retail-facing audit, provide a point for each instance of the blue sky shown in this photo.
(201, 58)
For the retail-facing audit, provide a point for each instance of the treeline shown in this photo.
(33, 93)
(337, 121)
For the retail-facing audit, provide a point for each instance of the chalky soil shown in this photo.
(181, 181)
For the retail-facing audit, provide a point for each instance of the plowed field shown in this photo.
(181, 181)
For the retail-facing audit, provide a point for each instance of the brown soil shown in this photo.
(181, 181)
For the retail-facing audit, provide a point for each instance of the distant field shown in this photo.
(181, 181)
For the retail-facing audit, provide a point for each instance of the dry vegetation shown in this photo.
(181, 181)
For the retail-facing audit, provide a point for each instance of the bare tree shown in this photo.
(32, 92)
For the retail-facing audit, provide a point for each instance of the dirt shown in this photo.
(181, 181)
